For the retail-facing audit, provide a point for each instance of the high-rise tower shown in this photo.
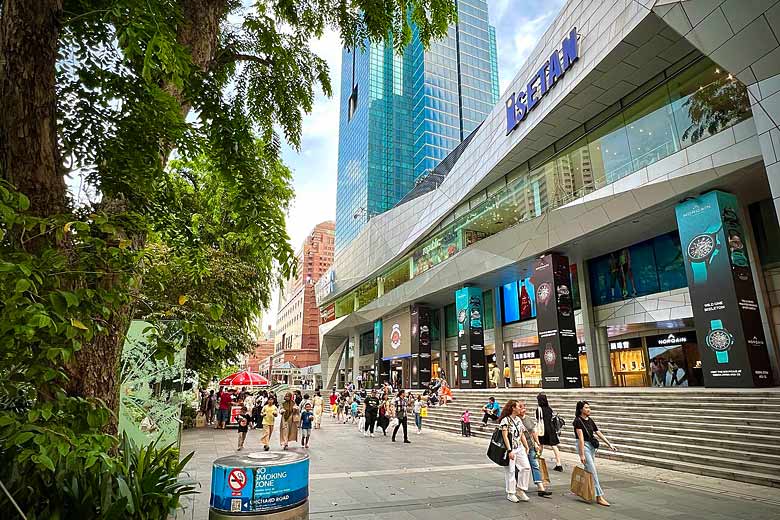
(401, 115)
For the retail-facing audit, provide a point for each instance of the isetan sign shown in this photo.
(520, 103)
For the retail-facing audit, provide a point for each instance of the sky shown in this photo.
(519, 25)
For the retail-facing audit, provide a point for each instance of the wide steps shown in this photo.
(725, 434)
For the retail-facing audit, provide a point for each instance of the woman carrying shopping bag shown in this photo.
(586, 433)
(291, 416)
(512, 430)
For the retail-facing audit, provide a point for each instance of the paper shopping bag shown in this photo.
(582, 484)
(544, 470)
(200, 420)
(424, 411)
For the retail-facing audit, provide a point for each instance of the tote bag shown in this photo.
(497, 451)
(543, 469)
(539, 422)
(582, 484)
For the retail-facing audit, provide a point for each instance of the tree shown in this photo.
(107, 91)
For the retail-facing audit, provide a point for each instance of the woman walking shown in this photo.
(269, 413)
(512, 430)
(400, 404)
(318, 404)
(291, 416)
(586, 431)
(544, 415)
(417, 408)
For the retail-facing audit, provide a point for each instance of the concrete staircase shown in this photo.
(730, 434)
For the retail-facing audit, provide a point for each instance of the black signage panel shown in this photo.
(673, 339)
(472, 366)
(421, 346)
(555, 323)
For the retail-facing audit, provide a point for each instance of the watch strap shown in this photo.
(716, 324)
(722, 356)
(699, 272)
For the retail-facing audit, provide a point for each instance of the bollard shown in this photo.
(268, 484)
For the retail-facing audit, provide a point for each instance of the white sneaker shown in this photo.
(372, 435)
(522, 496)
(365, 433)
(512, 498)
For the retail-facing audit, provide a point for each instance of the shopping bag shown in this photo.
(200, 420)
(497, 451)
(543, 469)
(393, 423)
(582, 484)
(361, 423)
(424, 411)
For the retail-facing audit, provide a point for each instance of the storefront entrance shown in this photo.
(528, 369)
(665, 360)
(400, 373)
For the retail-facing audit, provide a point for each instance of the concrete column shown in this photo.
(604, 367)
(355, 338)
(757, 270)
(443, 343)
(588, 323)
(498, 336)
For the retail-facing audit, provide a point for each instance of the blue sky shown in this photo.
(519, 25)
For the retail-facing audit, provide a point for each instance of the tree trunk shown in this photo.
(29, 156)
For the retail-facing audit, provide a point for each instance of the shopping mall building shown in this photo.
(613, 221)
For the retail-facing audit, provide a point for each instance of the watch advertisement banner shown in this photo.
(555, 323)
(421, 346)
(380, 374)
(723, 295)
(396, 340)
(472, 371)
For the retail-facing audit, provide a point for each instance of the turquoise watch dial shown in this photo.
(701, 250)
(719, 340)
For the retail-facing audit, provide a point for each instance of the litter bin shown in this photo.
(266, 485)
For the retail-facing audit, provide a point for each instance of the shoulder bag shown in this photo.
(539, 422)
(497, 451)
(591, 434)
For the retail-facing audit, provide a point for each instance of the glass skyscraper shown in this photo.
(401, 115)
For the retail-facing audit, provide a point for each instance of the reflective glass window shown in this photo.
(609, 151)
(651, 129)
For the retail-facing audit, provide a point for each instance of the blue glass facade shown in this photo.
(401, 115)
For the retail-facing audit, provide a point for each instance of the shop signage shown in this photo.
(532, 354)
(520, 103)
(582, 349)
(555, 322)
(723, 295)
(328, 313)
(625, 344)
(468, 305)
(671, 340)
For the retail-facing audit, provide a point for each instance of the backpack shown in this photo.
(558, 423)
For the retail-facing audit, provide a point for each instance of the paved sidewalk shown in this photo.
(442, 476)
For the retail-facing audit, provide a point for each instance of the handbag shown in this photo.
(393, 423)
(543, 469)
(424, 411)
(582, 484)
(497, 451)
(539, 422)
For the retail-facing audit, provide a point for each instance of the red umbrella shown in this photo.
(245, 378)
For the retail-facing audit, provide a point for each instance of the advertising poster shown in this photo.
(421, 346)
(396, 340)
(725, 307)
(472, 371)
(555, 323)
(381, 368)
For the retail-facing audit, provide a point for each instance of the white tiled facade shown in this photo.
(623, 44)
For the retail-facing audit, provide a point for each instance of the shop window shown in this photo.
(669, 262)
(435, 332)
(451, 321)
(345, 305)
(650, 127)
(609, 152)
(574, 173)
(763, 217)
(487, 309)
(367, 343)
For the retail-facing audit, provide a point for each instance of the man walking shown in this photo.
(399, 403)
(372, 410)
(507, 376)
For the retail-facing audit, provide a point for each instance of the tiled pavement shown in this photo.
(441, 476)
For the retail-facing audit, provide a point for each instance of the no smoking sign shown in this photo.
(237, 479)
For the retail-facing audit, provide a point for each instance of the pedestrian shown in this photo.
(545, 414)
(534, 449)
(307, 418)
(269, 412)
(445, 392)
(257, 414)
(243, 426)
(586, 433)
(518, 473)
(353, 411)
(494, 376)
(400, 404)
(211, 406)
(223, 414)
(383, 421)
(318, 405)
(507, 376)
(291, 417)
(333, 399)
(372, 410)
(491, 411)
(417, 409)
(298, 398)
(465, 424)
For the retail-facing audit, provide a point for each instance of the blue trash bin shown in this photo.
(268, 484)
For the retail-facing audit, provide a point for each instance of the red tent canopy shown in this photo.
(245, 378)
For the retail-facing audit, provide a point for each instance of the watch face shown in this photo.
(550, 356)
(462, 316)
(701, 247)
(719, 340)
(543, 293)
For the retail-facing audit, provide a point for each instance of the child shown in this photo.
(270, 411)
(243, 426)
(354, 411)
(465, 424)
(306, 419)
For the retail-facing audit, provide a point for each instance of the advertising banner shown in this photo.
(555, 323)
(381, 368)
(396, 340)
(421, 346)
(472, 371)
(723, 295)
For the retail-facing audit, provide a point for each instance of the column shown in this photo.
(555, 322)
(355, 338)
(472, 371)
(443, 342)
(421, 347)
(498, 335)
(723, 294)
(588, 324)
(603, 361)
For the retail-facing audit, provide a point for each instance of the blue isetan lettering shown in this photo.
(570, 50)
(519, 104)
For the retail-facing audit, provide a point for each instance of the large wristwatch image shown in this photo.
(701, 250)
(719, 340)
